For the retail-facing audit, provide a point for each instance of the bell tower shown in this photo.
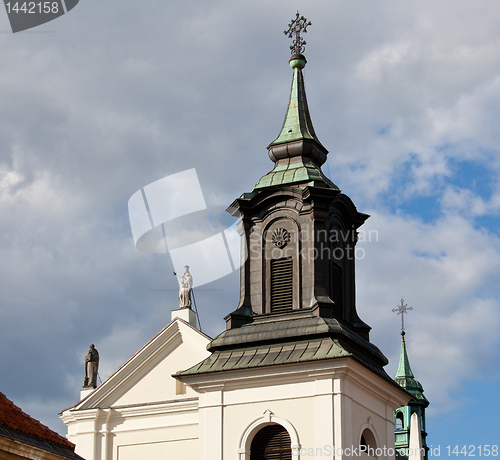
(295, 372)
(299, 230)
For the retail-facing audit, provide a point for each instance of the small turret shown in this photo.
(405, 379)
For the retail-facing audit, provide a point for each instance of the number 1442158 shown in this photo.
(32, 7)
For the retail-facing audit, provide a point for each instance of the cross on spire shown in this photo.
(402, 309)
(298, 25)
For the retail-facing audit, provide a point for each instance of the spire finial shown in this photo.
(298, 25)
(402, 309)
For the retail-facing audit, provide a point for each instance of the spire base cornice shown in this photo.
(310, 148)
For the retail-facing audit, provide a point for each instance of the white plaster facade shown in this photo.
(324, 405)
(140, 411)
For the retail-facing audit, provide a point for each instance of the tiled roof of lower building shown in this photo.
(19, 426)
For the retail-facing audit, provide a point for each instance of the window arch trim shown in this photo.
(368, 425)
(268, 419)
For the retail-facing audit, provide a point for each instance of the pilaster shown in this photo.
(211, 424)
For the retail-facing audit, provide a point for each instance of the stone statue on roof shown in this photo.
(185, 286)
(91, 367)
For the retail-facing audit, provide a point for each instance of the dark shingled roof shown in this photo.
(19, 426)
(287, 340)
(269, 355)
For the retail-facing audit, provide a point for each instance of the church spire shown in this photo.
(297, 152)
(297, 124)
(404, 376)
(404, 370)
(405, 379)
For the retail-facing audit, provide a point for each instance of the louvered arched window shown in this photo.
(281, 285)
(271, 443)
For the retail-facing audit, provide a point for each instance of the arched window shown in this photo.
(271, 443)
(399, 421)
(367, 443)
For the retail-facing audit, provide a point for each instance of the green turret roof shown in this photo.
(404, 370)
(406, 379)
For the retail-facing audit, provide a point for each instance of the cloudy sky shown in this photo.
(116, 95)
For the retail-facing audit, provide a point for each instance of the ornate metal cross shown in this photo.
(298, 25)
(402, 309)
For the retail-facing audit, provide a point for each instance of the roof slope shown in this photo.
(288, 339)
(19, 426)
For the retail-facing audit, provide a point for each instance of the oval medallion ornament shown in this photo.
(280, 237)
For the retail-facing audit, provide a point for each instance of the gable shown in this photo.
(146, 377)
(157, 384)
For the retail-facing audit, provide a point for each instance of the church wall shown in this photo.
(141, 407)
(105, 432)
(187, 449)
(156, 443)
(268, 391)
(300, 412)
(327, 407)
(372, 407)
(158, 384)
(85, 444)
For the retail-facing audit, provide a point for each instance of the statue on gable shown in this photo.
(185, 286)
(91, 367)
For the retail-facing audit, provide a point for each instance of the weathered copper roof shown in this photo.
(297, 124)
(271, 355)
(404, 370)
(297, 170)
(291, 326)
(280, 340)
(405, 378)
(20, 427)
(297, 152)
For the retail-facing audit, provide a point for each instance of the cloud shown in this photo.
(447, 271)
(405, 97)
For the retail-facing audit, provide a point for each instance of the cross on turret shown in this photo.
(402, 309)
(298, 25)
